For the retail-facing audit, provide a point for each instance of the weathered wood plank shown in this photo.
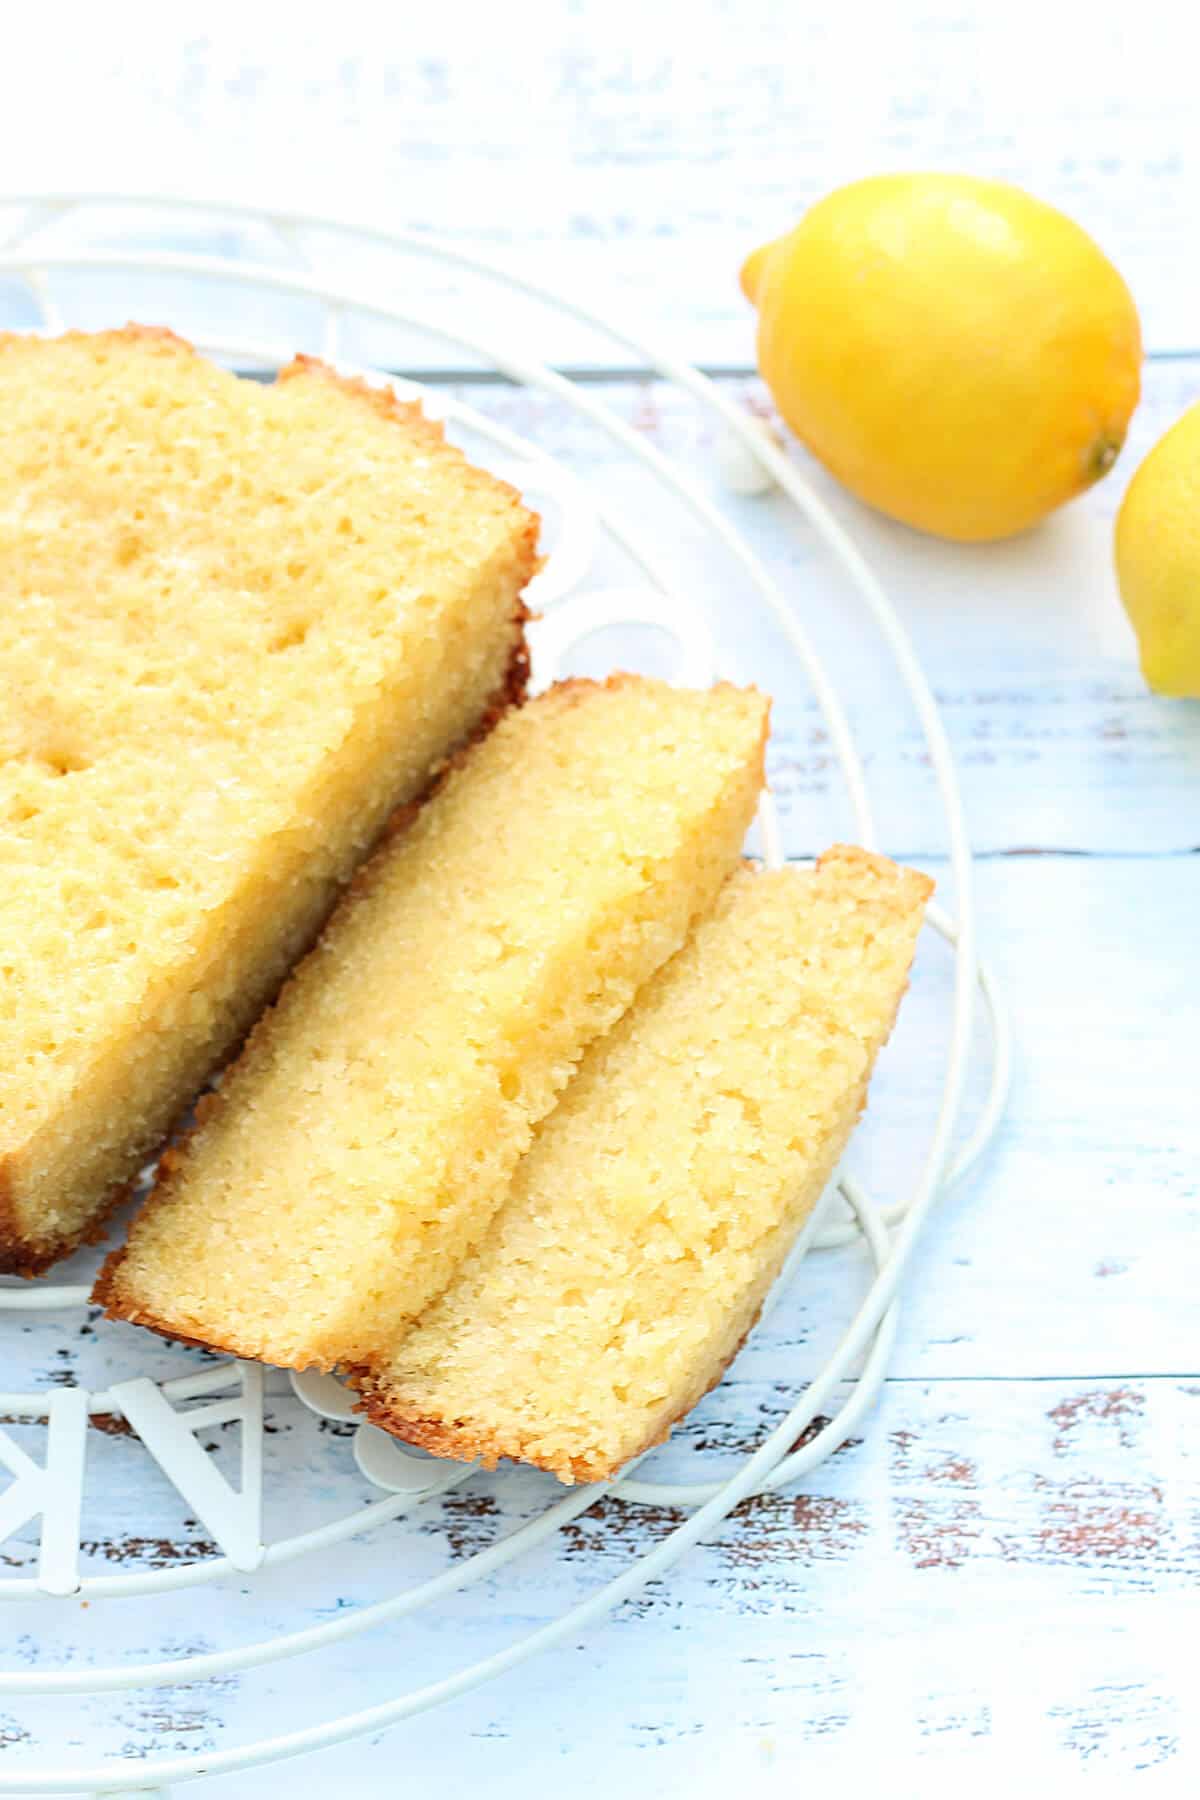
(621, 157)
(609, 152)
(1059, 743)
(998, 1562)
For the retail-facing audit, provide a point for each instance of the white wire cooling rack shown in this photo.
(51, 255)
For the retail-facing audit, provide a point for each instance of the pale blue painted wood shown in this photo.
(611, 147)
(991, 1580)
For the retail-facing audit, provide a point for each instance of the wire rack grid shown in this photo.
(166, 1414)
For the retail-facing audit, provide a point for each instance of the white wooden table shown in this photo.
(997, 1582)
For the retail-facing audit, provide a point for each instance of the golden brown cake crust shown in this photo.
(16, 1256)
(24, 1256)
(464, 1441)
(408, 414)
(135, 1315)
(147, 337)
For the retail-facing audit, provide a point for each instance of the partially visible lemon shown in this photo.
(1158, 559)
(959, 354)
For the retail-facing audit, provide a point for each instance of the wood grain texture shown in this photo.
(610, 151)
(998, 1571)
(1059, 744)
(994, 1586)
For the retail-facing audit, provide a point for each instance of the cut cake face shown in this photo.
(361, 1144)
(240, 624)
(659, 1199)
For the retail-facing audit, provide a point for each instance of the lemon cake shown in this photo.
(241, 623)
(659, 1199)
(363, 1140)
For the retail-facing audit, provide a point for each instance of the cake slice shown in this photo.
(240, 624)
(658, 1202)
(362, 1142)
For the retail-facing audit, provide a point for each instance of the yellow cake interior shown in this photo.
(659, 1199)
(240, 623)
(360, 1145)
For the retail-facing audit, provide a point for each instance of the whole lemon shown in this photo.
(1158, 559)
(959, 354)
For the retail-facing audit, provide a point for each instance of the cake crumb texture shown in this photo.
(357, 1150)
(239, 624)
(660, 1197)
